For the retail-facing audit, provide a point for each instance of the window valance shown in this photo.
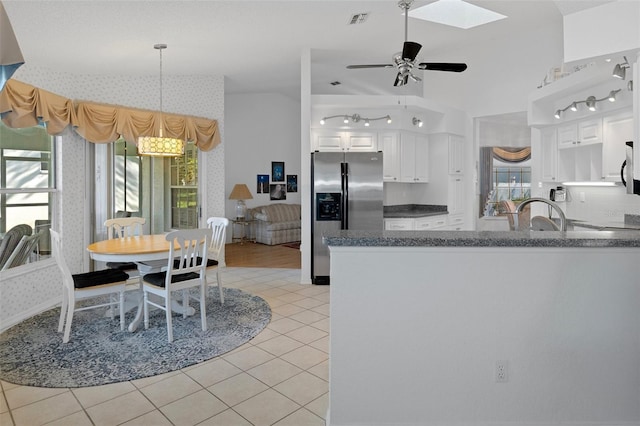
(23, 105)
(512, 155)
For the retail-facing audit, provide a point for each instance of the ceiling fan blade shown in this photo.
(355, 67)
(399, 80)
(410, 50)
(405, 80)
(442, 66)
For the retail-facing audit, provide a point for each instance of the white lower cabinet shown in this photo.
(398, 224)
(455, 222)
(427, 223)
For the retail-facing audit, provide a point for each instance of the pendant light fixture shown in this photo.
(160, 146)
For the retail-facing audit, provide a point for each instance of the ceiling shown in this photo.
(256, 45)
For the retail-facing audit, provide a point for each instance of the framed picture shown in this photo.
(263, 184)
(292, 183)
(277, 191)
(277, 171)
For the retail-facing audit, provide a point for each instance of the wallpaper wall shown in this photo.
(30, 289)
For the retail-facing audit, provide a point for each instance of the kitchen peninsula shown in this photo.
(469, 327)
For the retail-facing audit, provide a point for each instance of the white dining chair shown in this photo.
(122, 227)
(76, 287)
(215, 254)
(186, 268)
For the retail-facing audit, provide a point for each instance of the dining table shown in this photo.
(148, 252)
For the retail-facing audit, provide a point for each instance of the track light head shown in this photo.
(366, 122)
(574, 107)
(388, 119)
(612, 95)
(619, 71)
(416, 122)
(558, 114)
(591, 103)
(346, 119)
(322, 122)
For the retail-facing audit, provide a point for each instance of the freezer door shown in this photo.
(364, 195)
(326, 208)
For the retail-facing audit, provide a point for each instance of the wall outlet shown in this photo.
(502, 371)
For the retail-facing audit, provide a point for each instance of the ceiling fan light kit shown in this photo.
(591, 102)
(356, 118)
(405, 61)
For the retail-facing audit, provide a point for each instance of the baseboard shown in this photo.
(35, 310)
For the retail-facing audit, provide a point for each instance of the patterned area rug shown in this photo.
(32, 352)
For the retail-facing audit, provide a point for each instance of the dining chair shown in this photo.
(215, 254)
(88, 285)
(23, 250)
(186, 268)
(122, 227)
(11, 240)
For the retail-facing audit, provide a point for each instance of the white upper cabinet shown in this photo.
(334, 140)
(586, 132)
(617, 129)
(549, 150)
(456, 155)
(390, 144)
(414, 158)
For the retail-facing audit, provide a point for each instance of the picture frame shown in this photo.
(262, 182)
(292, 183)
(277, 191)
(277, 171)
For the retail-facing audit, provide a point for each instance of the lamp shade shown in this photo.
(240, 192)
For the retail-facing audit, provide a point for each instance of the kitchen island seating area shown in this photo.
(89, 285)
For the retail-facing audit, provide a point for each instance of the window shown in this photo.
(27, 182)
(505, 175)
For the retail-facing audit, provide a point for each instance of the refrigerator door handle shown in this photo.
(345, 195)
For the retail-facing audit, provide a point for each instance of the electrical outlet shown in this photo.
(502, 371)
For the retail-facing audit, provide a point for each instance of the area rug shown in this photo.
(32, 352)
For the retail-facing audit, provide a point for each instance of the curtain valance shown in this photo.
(23, 105)
(512, 155)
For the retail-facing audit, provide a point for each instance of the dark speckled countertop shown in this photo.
(413, 210)
(483, 239)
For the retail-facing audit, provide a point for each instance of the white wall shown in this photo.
(26, 290)
(260, 128)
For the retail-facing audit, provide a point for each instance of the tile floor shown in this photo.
(280, 377)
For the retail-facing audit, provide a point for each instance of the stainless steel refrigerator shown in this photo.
(346, 193)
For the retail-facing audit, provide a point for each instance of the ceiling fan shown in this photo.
(405, 61)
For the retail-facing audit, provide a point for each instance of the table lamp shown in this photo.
(240, 193)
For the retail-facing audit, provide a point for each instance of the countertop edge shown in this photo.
(483, 239)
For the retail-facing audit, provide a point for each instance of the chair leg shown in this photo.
(145, 304)
(122, 310)
(218, 278)
(185, 302)
(167, 310)
(67, 327)
(112, 300)
(63, 310)
(203, 306)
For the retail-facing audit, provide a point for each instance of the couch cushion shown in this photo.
(280, 226)
(281, 212)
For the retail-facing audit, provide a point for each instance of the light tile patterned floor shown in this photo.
(281, 377)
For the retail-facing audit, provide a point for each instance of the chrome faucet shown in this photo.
(563, 218)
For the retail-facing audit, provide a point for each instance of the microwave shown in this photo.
(626, 172)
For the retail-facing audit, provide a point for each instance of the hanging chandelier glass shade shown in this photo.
(160, 146)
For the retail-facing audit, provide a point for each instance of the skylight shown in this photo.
(455, 13)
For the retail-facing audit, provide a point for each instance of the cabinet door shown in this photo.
(456, 155)
(398, 224)
(391, 156)
(590, 131)
(328, 140)
(617, 130)
(407, 157)
(455, 222)
(455, 202)
(361, 141)
(567, 136)
(421, 159)
(549, 149)
(430, 223)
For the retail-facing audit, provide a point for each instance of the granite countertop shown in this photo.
(413, 210)
(483, 239)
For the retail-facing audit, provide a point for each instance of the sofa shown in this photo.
(277, 223)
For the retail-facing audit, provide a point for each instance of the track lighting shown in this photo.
(417, 122)
(619, 71)
(356, 118)
(591, 102)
